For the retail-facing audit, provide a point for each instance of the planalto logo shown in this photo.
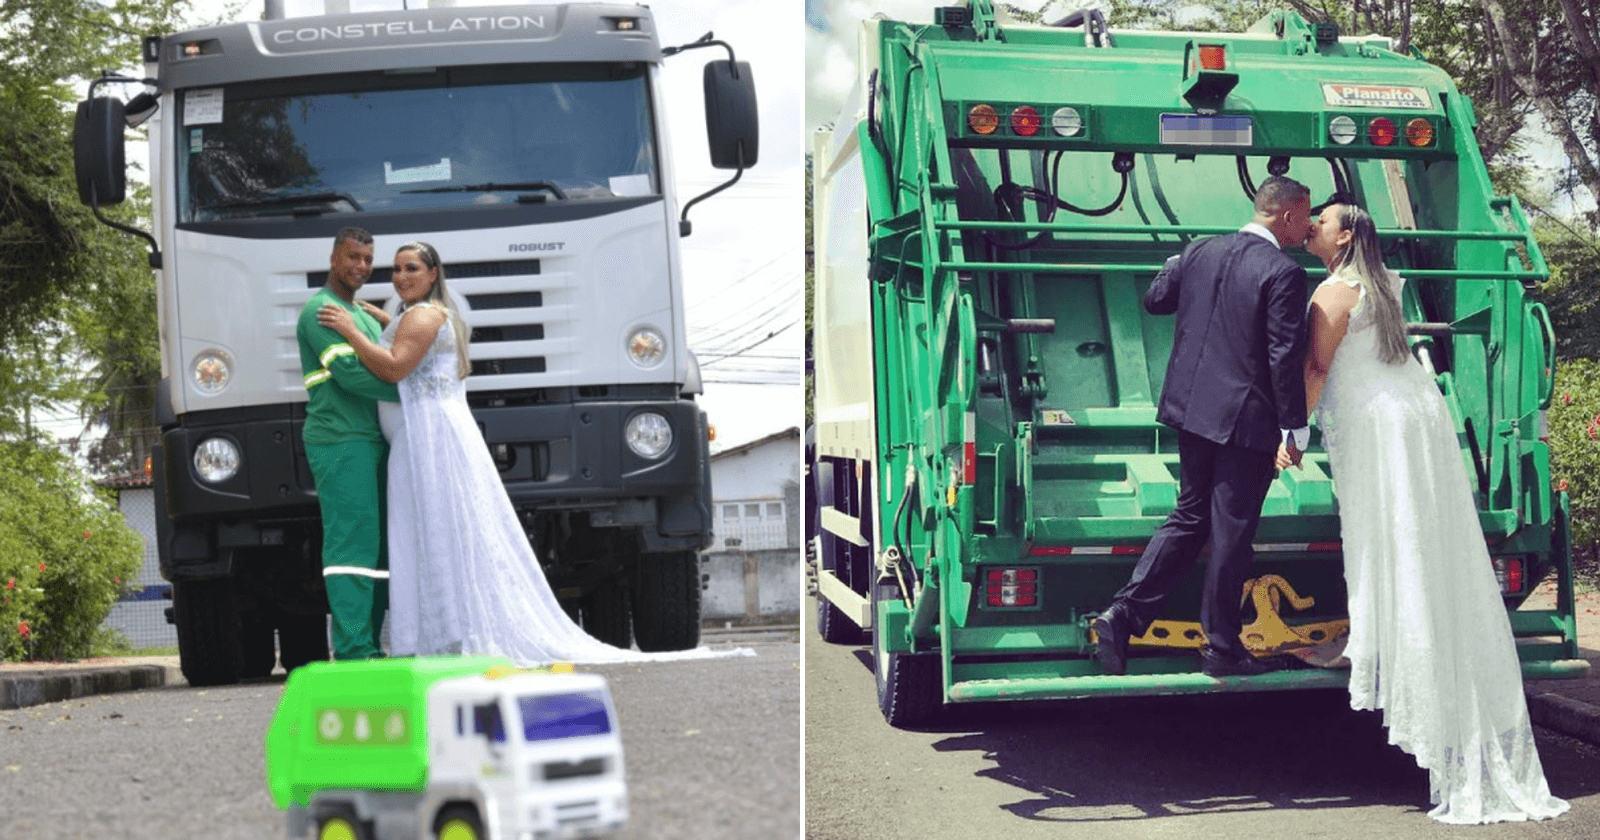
(526, 247)
(404, 28)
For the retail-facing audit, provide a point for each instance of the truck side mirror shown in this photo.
(98, 151)
(732, 124)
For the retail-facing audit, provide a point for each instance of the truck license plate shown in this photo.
(1197, 130)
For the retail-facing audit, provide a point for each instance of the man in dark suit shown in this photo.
(1235, 392)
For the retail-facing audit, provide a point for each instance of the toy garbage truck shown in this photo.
(446, 747)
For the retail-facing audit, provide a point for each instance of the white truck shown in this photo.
(528, 144)
(447, 748)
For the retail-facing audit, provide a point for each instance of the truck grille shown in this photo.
(558, 770)
(483, 302)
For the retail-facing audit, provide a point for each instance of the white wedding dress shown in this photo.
(462, 576)
(1429, 644)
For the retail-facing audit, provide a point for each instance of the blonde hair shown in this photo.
(1362, 259)
(439, 296)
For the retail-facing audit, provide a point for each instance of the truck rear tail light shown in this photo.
(1025, 120)
(969, 449)
(1381, 131)
(1066, 122)
(983, 119)
(1419, 132)
(1510, 571)
(1342, 130)
(1213, 57)
(1012, 587)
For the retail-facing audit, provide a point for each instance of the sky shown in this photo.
(744, 264)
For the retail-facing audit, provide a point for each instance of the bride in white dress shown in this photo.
(462, 575)
(1430, 644)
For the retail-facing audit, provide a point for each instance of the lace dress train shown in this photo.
(1429, 641)
(463, 577)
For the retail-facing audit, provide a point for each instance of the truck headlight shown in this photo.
(646, 347)
(213, 369)
(649, 434)
(216, 460)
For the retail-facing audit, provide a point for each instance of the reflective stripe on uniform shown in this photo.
(317, 377)
(355, 570)
(334, 351)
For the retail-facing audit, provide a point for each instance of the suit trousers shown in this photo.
(1221, 489)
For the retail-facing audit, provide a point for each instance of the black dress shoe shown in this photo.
(1214, 664)
(1111, 642)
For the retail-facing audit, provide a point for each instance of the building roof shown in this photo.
(791, 433)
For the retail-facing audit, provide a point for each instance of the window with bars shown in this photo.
(752, 525)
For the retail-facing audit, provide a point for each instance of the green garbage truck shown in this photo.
(446, 747)
(990, 207)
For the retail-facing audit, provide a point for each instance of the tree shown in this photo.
(77, 300)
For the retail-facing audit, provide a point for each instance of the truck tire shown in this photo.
(210, 631)
(606, 617)
(258, 645)
(666, 602)
(342, 824)
(458, 822)
(910, 690)
(302, 639)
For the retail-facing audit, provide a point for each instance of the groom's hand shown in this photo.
(1290, 452)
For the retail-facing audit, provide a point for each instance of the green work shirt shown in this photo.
(342, 395)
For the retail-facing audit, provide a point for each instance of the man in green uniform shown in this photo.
(347, 453)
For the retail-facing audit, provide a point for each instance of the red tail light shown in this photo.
(1012, 587)
(1213, 57)
(1025, 120)
(1381, 131)
(1510, 571)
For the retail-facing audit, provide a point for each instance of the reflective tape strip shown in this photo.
(355, 570)
(317, 377)
(334, 351)
(1059, 550)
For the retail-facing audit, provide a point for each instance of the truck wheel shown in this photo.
(605, 615)
(458, 822)
(210, 632)
(342, 825)
(302, 639)
(258, 644)
(910, 693)
(666, 603)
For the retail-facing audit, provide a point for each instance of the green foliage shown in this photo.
(65, 556)
(1573, 253)
(77, 299)
(1575, 447)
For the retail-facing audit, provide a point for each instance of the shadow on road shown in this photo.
(1114, 759)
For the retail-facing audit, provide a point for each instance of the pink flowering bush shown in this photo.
(64, 550)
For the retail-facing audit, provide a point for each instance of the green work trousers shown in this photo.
(351, 481)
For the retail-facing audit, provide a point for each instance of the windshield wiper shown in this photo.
(507, 187)
(267, 200)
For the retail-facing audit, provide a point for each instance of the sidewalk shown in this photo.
(1571, 707)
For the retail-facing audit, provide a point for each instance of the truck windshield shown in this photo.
(548, 717)
(416, 140)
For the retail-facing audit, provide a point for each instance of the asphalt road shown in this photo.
(1296, 765)
(712, 750)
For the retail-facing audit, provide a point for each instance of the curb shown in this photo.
(1563, 714)
(31, 689)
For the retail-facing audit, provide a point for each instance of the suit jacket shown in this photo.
(1236, 375)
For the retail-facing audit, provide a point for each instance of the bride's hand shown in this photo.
(336, 318)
